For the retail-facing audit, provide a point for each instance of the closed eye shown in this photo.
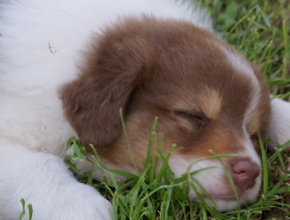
(196, 118)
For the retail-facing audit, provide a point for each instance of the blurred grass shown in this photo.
(259, 30)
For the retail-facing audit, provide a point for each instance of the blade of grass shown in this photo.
(148, 157)
(127, 141)
(23, 209)
(264, 166)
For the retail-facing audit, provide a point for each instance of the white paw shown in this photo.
(279, 129)
(44, 181)
(78, 202)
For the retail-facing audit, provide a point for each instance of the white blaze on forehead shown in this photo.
(242, 66)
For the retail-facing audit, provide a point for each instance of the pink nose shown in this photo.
(244, 173)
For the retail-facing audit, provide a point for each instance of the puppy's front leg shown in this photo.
(279, 129)
(45, 182)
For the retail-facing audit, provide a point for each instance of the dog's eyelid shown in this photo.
(195, 115)
(194, 112)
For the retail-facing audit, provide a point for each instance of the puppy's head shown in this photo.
(206, 95)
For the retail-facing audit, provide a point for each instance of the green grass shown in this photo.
(260, 31)
(146, 196)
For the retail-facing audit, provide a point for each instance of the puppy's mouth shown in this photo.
(224, 197)
(227, 200)
(228, 196)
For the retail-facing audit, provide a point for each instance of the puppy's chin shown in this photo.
(228, 201)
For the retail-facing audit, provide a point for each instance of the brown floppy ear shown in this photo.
(113, 69)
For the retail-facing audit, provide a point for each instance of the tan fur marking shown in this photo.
(210, 102)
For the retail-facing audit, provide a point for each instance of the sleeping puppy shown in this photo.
(67, 67)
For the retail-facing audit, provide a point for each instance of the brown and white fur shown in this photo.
(67, 67)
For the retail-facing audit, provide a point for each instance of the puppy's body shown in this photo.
(67, 67)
